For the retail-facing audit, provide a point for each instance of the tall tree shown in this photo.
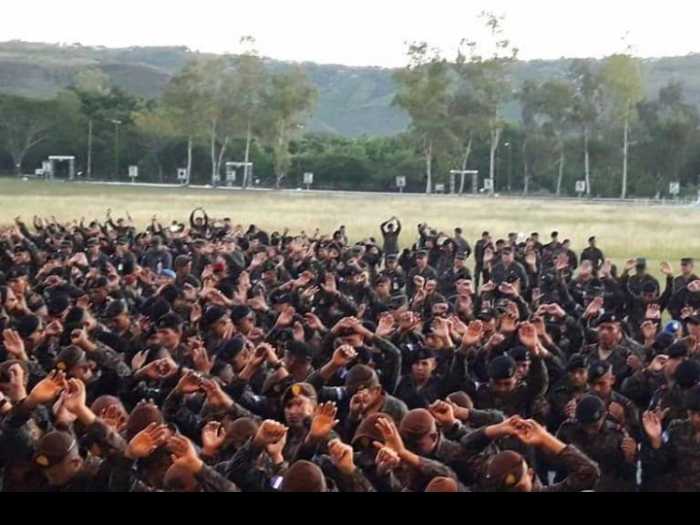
(288, 102)
(588, 106)
(622, 79)
(529, 97)
(156, 128)
(423, 91)
(91, 86)
(489, 79)
(24, 124)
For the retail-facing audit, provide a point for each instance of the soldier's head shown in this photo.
(641, 266)
(508, 472)
(687, 266)
(521, 356)
(74, 362)
(179, 479)
(423, 365)
(460, 260)
(502, 375)
(609, 330)
(692, 405)
(591, 242)
(577, 371)
(116, 315)
(170, 330)
(590, 414)
(299, 402)
(693, 326)
(419, 432)
(58, 457)
(586, 269)
(382, 285)
(422, 259)
(601, 379)
(362, 381)
(507, 255)
(392, 261)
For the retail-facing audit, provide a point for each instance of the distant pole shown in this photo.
(89, 159)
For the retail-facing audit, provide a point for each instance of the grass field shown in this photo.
(659, 233)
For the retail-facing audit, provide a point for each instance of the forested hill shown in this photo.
(353, 100)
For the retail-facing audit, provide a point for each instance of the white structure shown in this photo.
(49, 166)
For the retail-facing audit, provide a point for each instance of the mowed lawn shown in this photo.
(658, 233)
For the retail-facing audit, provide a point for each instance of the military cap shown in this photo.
(170, 321)
(589, 410)
(519, 354)
(303, 476)
(299, 390)
(461, 256)
(641, 262)
(100, 282)
(157, 309)
(58, 304)
(692, 399)
(182, 260)
(607, 317)
(115, 308)
(213, 314)
(422, 253)
(242, 429)
(598, 369)
(576, 362)
(92, 241)
(240, 312)
(662, 342)
(392, 257)
(687, 374)
(143, 415)
(269, 266)
(416, 424)
(53, 448)
(420, 353)
(75, 316)
(69, 357)
(649, 287)
(442, 484)
(687, 260)
(300, 350)
(486, 314)
(501, 367)
(229, 349)
(277, 298)
(66, 243)
(360, 377)
(505, 470)
(367, 431)
(124, 241)
(676, 350)
(16, 272)
(26, 325)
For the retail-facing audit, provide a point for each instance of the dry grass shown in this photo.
(657, 233)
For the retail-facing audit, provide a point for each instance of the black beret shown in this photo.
(213, 314)
(576, 362)
(297, 390)
(69, 357)
(392, 257)
(115, 308)
(157, 309)
(590, 409)
(419, 354)
(598, 369)
(662, 342)
(26, 325)
(170, 321)
(229, 349)
(92, 241)
(501, 367)
(240, 312)
(300, 350)
(53, 448)
(687, 260)
(676, 350)
(422, 253)
(182, 260)
(649, 287)
(58, 304)
(16, 272)
(519, 354)
(687, 374)
(607, 317)
(359, 378)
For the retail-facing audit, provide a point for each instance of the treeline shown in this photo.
(591, 124)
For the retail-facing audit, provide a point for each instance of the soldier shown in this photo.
(594, 254)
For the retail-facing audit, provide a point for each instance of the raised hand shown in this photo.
(653, 428)
(474, 333)
(343, 356)
(323, 421)
(213, 437)
(342, 456)
(666, 269)
(216, 397)
(391, 435)
(147, 441)
(617, 412)
(386, 326)
(648, 330)
(189, 383)
(629, 448)
(184, 454)
(14, 345)
(386, 459)
(527, 334)
(270, 432)
(48, 388)
(114, 417)
(443, 413)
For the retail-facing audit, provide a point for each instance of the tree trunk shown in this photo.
(222, 151)
(561, 169)
(89, 152)
(189, 161)
(160, 170)
(465, 161)
(246, 174)
(587, 161)
(495, 138)
(429, 168)
(625, 152)
(526, 169)
(212, 134)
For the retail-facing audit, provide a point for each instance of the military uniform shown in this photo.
(674, 467)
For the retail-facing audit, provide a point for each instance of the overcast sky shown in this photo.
(359, 32)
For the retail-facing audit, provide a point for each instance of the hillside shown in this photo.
(353, 100)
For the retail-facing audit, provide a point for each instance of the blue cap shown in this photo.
(672, 327)
(168, 273)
